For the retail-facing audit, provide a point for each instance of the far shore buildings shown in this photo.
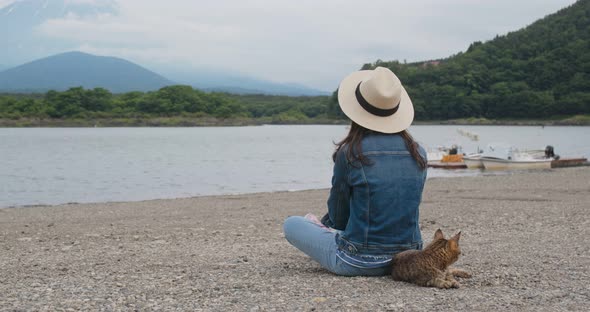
(430, 63)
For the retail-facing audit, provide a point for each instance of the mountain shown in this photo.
(20, 21)
(119, 75)
(72, 69)
(540, 71)
(219, 81)
(254, 86)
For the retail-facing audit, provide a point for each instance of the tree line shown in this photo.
(167, 102)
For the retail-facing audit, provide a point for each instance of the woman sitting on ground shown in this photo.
(379, 175)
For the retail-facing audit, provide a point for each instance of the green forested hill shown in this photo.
(540, 71)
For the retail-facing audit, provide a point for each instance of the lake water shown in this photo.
(62, 165)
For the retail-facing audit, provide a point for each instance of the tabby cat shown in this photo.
(430, 267)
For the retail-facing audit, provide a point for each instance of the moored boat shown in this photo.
(444, 154)
(492, 163)
(473, 161)
(503, 157)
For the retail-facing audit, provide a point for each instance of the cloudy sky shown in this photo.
(312, 42)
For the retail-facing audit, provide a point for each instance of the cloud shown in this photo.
(4, 3)
(83, 1)
(311, 42)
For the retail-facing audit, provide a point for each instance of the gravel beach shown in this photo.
(524, 239)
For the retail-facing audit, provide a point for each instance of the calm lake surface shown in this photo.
(62, 165)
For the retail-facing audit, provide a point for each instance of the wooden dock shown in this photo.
(569, 162)
(447, 165)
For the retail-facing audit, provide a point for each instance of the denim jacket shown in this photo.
(376, 206)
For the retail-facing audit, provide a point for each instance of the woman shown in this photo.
(379, 175)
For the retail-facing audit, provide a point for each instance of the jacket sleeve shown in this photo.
(339, 200)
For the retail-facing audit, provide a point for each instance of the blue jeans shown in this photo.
(320, 244)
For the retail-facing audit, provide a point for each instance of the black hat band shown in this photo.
(372, 109)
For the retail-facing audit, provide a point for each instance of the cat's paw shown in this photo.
(451, 284)
(460, 273)
(446, 284)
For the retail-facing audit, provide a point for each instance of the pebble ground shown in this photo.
(524, 238)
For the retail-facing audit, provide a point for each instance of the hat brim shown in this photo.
(401, 120)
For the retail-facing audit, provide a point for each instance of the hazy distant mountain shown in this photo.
(211, 80)
(281, 90)
(72, 69)
(19, 22)
(253, 86)
(3, 67)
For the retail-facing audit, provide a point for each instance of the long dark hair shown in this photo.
(355, 153)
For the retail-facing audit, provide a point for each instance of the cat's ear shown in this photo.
(456, 237)
(438, 235)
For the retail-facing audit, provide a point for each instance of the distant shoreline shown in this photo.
(156, 122)
(240, 122)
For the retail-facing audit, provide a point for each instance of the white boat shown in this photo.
(510, 158)
(473, 161)
(490, 163)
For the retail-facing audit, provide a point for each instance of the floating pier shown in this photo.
(569, 162)
(447, 165)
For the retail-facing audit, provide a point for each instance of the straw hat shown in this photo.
(376, 100)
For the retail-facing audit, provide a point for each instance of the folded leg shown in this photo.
(459, 273)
